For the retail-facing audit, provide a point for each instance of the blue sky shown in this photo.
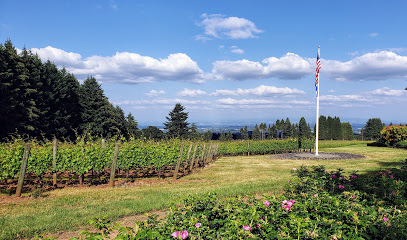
(226, 60)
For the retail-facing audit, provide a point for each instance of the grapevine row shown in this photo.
(84, 157)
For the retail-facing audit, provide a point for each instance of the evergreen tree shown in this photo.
(31, 123)
(229, 136)
(269, 132)
(330, 128)
(336, 128)
(323, 128)
(177, 125)
(304, 130)
(64, 109)
(207, 135)
(132, 127)
(246, 133)
(287, 128)
(99, 117)
(371, 131)
(193, 132)
(347, 131)
(10, 90)
(256, 133)
(222, 136)
(262, 128)
(241, 131)
(273, 133)
(120, 121)
(152, 133)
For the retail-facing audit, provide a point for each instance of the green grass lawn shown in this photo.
(69, 209)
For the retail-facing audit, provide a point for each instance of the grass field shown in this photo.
(69, 209)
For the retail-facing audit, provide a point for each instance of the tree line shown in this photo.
(40, 101)
(329, 129)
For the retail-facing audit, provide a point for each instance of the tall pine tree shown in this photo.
(177, 125)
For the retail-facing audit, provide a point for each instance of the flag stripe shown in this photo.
(317, 73)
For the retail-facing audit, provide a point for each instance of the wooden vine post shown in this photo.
(54, 161)
(23, 169)
(202, 157)
(114, 164)
(193, 157)
(178, 163)
(189, 154)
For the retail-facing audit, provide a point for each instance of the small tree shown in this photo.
(347, 131)
(256, 135)
(132, 127)
(304, 130)
(371, 130)
(229, 136)
(177, 125)
(193, 132)
(153, 133)
(207, 136)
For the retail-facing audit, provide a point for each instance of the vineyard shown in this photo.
(234, 148)
(92, 162)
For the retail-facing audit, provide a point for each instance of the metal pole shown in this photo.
(317, 120)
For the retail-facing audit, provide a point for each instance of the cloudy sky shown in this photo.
(225, 60)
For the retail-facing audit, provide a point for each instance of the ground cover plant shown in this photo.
(318, 204)
(69, 209)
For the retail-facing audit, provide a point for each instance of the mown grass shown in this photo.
(69, 209)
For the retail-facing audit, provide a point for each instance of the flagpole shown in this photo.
(317, 120)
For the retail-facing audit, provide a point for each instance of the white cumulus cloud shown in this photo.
(191, 93)
(261, 90)
(220, 26)
(59, 57)
(389, 92)
(290, 66)
(235, 49)
(381, 65)
(345, 98)
(154, 93)
(126, 67)
(231, 101)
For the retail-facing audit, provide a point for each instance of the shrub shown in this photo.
(317, 204)
(391, 135)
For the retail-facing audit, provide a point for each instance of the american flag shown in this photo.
(317, 73)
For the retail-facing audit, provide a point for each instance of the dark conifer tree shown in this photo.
(193, 132)
(153, 133)
(347, 131)
(371, 131)
(132, 127)
(287, 128)
(256, 135)
(177, 125)
(246, 133)
(222, 136)
(207, 135)
(10, 90)
(336, 128)
(97, 112)
(229, 136)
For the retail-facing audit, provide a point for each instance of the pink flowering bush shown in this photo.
(287, 204)
(370, 206)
